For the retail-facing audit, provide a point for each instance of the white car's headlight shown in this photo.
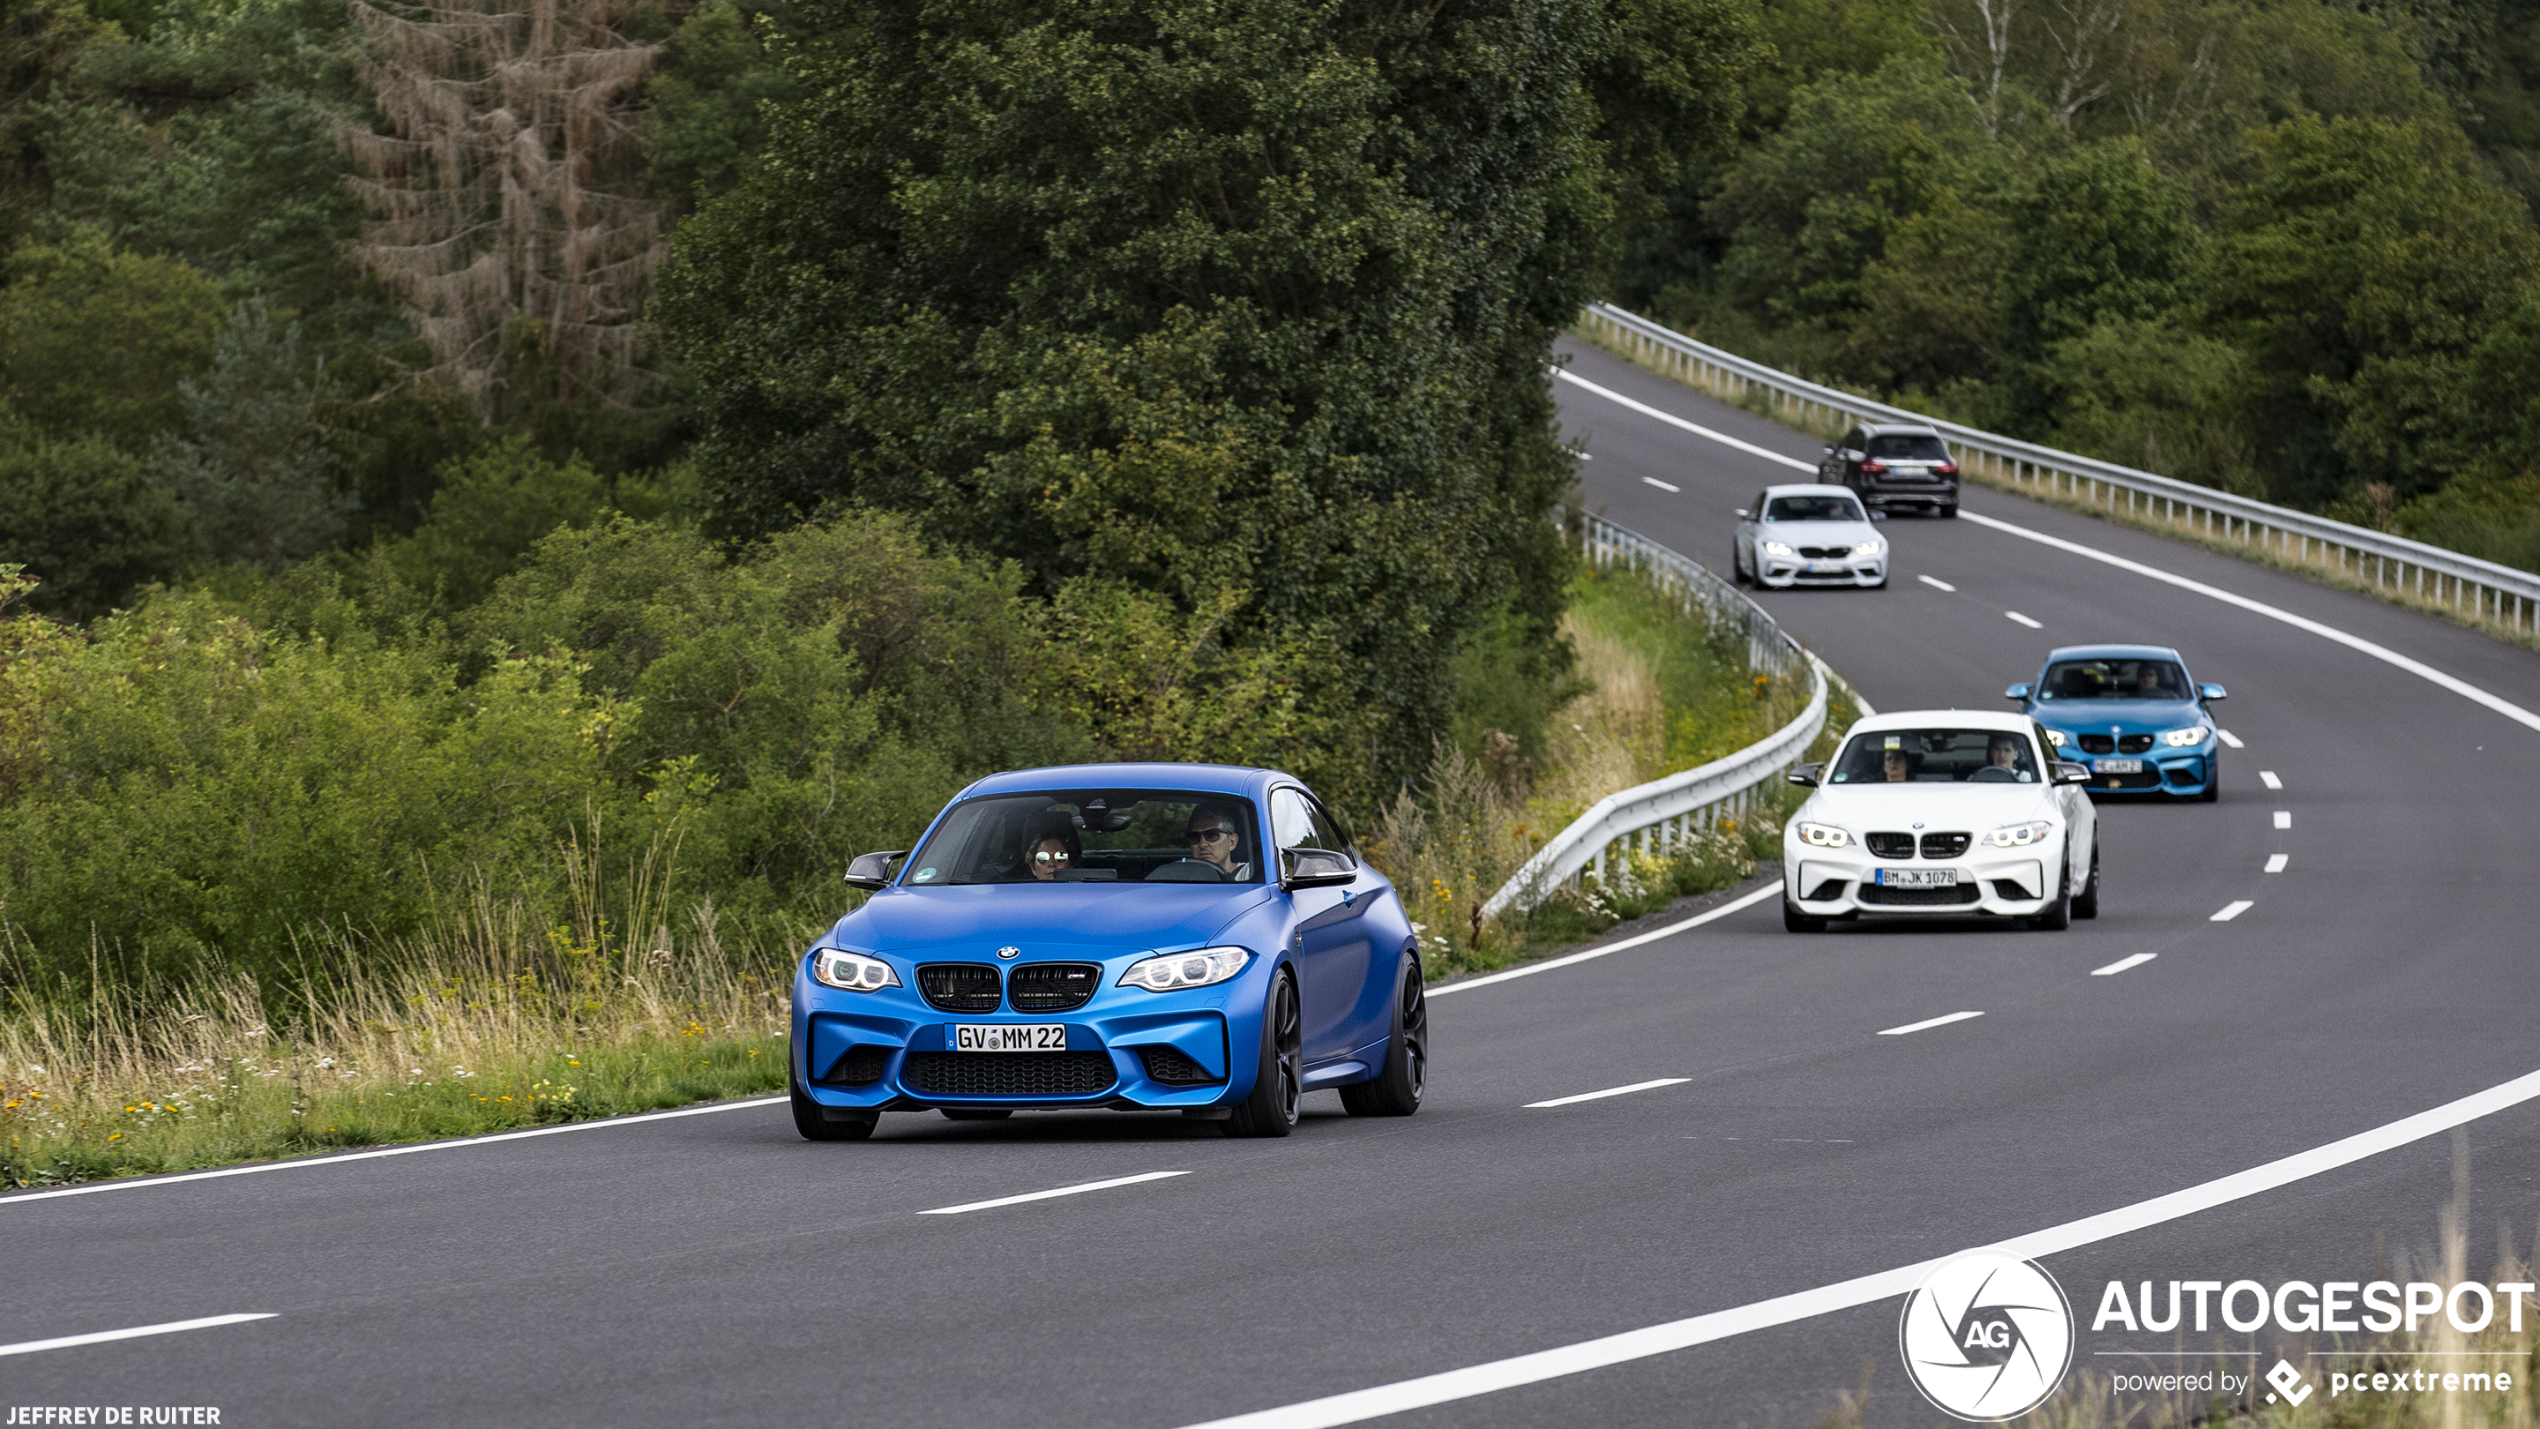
(1197, 968)
(2021, 835)
(852, 971)
(2182, 738)
(1870, 548)
(2058, 738)
(1823, 836)
(1778, 548)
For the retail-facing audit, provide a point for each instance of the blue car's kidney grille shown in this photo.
(959, 987)
(2100, 744)
(2134, 744)
(1890, 845)
(1173, 1065)
(1007, 1074)
(1052, 987)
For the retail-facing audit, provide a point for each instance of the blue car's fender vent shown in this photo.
(1052, 987)
(1007, 1074)
(1174, 1066)
(959, 987)
(860, 1067)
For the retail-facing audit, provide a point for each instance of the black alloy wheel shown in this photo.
(1396, 1090)
(1737, 566)
(2086, 902)
(976, 1113)
(2059, 913)
(1279, 1087)
(2213, 786)
(1794, 921)
(818, 1123)
(1949, 512)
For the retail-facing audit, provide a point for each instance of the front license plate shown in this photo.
(1918, 878)
(1009, 1036)
(1824, 567)
(2119, 766)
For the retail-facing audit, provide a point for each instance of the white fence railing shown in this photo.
(1668, 814)
(2472, 590)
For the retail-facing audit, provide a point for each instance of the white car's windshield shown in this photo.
(2113, 680)
(1814, 508)
(1937, 756)
(1093, 836)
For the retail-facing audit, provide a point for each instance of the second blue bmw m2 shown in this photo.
(2132, 715)
(1145, 937)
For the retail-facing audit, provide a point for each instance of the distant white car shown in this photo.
(1942, 812)
(1808, 535)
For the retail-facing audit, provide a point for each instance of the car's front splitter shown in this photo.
(1143, 1058)
(2014, 887)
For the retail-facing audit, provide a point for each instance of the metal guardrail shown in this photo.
(1671, 813)
(2471, 590)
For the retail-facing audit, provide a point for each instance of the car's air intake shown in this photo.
(1052, 987)
(1174, 1067)
(959, 987)
(1007, 1074)
(1889, 845)
(1945, 845)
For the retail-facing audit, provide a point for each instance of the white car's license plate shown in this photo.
(1918, 878)
(1824, 567)
(2119, 766)
(1009, 1036)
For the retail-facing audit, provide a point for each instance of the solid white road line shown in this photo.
(2232, 910)
(2229, 739)
(2276, 862)
(2024, 620)
(1611, 1092)
(1769, 890)
(261, 1168)
(1474, 1380)
(2357, 643)
(2121, 964)
(1935, 1022)
(29, 1347)
(1671, 419)
(1667, 486)
(1046, 1195)
(1937, 584)
(2284, 818)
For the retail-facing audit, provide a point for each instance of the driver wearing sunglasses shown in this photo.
(1211, 835)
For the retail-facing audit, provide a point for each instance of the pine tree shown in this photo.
(507, 117)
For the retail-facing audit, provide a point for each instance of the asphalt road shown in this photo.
(713, 1269)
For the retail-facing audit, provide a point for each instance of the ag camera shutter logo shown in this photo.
(1987, 1338)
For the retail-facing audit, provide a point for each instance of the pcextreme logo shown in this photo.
(1986, 1338)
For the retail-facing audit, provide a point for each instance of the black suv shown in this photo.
(1894, 466)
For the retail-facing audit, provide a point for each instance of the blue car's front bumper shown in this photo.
(1126, 1048)
(2175, 773)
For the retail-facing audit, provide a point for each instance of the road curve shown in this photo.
(714, 1269)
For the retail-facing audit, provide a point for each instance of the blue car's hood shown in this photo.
(1088, 919)
(2117, 716)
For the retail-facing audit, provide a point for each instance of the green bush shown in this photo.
(86, 522)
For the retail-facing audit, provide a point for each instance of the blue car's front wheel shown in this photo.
(1278, 1087)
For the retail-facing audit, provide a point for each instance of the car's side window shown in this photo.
(1853, 441)
(1291, 821)
(1757, 510)
(1327, 834)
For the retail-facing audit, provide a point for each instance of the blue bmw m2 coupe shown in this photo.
(2132, 715)
(1144, 937)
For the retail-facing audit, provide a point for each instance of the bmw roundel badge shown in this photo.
(1009, 952)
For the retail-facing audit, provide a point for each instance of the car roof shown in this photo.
(1911, 429)
(1806, 488)
(1956, 719)
(2113, 652)
(1238, 779)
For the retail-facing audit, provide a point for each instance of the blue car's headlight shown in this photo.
(853, 972)
(2020, 835)
(1197, 968)
(2182, 738)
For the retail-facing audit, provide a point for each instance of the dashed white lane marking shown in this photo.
(1583, 456)
(2024, 620)
(1769, 890)
(2229, 739)
(1926, 1025)
(2232, 910)
(1472, 1381)
(2121, 964)
(2284, 818)
(1046, 1195)
(1612, 1092)
(1671, 419)
(2356, 643)
(1666, 486)
(100, 1337)
(2277, 861)
(2267, 777)
(1937, 584)
(261, 1168)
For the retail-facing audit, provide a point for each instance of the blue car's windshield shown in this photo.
(1936, 756)
(2113, 680)
(1093, 836)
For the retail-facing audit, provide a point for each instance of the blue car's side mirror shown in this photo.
(2016, 692)
(1804, 775)
(2209, 692)
(873, 870)
(1317, 868)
